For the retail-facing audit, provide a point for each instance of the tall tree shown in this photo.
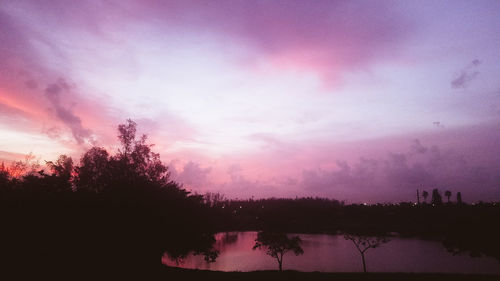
(137, 159)
(277, 244)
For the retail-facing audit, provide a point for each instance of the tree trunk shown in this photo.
(364, 264)
(280, 262)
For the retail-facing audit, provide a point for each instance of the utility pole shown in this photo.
(418, 198)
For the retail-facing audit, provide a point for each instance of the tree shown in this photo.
(4, 177)
(93, 173)
(29, 166)
(135, 166)
(425, 194)
(436, 198)
(277, 244)
(459, 198)
(363, 243)
(135, 157)
(62, 173)
(447, 193)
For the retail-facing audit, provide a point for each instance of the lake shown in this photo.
(332, 253)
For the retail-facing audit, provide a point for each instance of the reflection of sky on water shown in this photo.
(334, 253)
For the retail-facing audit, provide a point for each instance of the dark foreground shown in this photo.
(187, 274)
(172, 273)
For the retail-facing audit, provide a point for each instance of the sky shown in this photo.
(361, 101)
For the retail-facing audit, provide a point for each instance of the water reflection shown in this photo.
(334, 253)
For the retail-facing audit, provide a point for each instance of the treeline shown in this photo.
(107, 213)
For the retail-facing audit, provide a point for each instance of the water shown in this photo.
(332, 253)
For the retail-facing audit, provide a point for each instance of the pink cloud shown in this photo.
(328, 38)
(380, 170)
(325, 37)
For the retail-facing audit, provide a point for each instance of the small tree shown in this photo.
(447, 193)
(277, 244)
(425, 194)
(363, 243)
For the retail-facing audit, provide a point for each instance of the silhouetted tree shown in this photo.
(436, 198)
(94, 172)
(363, 243)
(4, 177)
(447, 193)
(135, 161)
(62, 173)
(277, 244)
(27, 167)
(425, 194)
(459, 198)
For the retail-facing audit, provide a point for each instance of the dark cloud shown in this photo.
(476, 62)
(468, 74)
(53, 93)
(438, 124)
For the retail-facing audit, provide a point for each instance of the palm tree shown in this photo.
(447, 193)
(425, 194)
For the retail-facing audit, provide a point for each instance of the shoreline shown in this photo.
(195, 274)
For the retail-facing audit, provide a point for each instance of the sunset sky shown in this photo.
(363, 101)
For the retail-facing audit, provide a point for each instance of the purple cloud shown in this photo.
(53, 93)
(466, 75)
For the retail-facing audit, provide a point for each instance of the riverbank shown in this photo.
(190, 274)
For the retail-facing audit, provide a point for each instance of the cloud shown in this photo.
(233, 183)
(387, 178)
(417, 147)
(52, 132)
(328, 38)
(53, 93)
(438, 124)
(192, 175)
(7, 157)
(239, 186)
(468, 74)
